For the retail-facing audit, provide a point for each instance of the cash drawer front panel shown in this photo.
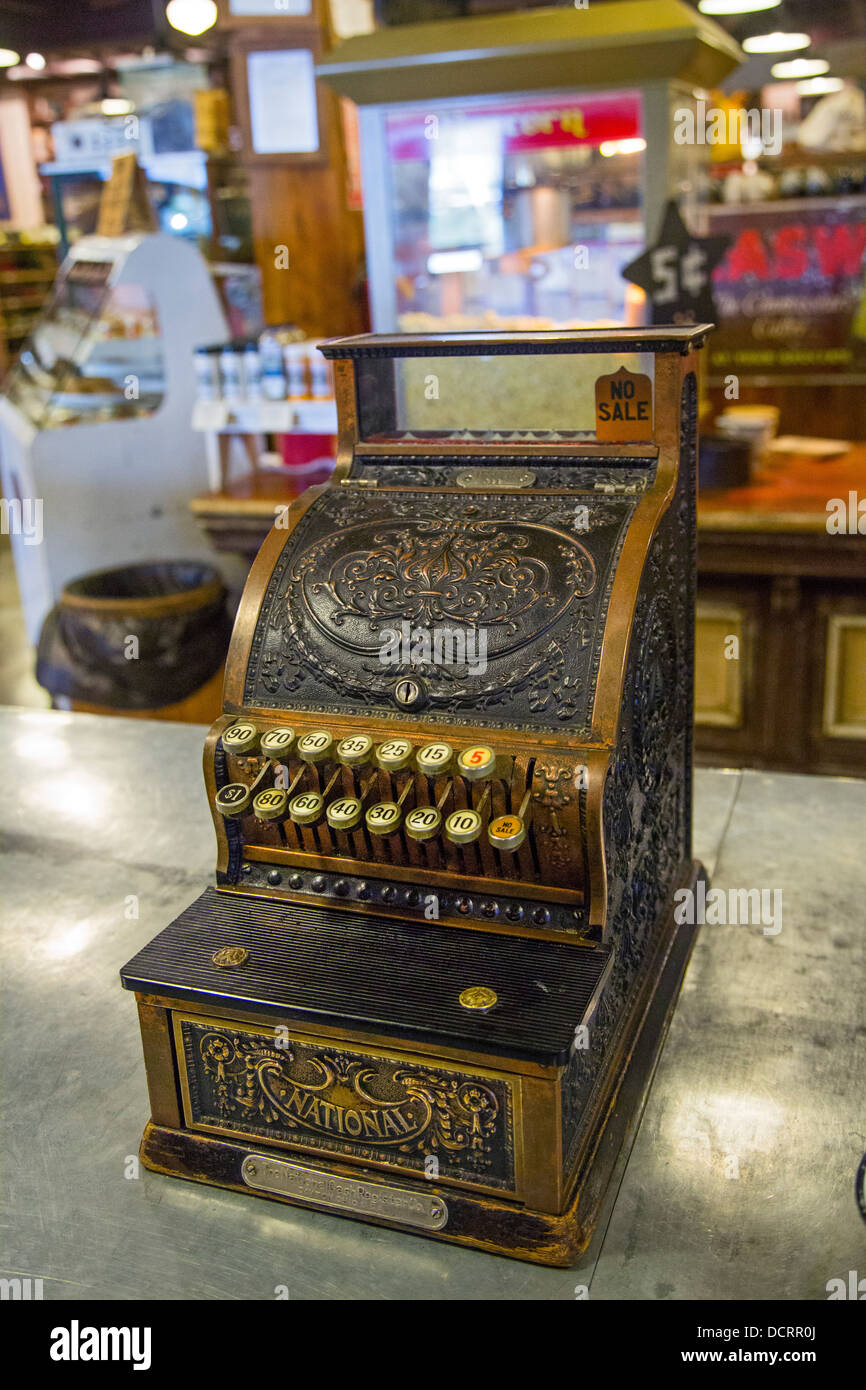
(323, 1097)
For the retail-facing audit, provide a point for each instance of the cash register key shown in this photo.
(356, 750)
(344, 813)
(393, 754)
(383, 818)
(434, 758)
(477, 762)
(506, 832)
(240, 738)
(462, 827)
(423, 823)
(270, 804)
(306, 808)
(277, 743)
(233, 799)
(315, 747)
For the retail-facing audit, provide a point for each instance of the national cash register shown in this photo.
(451, 789)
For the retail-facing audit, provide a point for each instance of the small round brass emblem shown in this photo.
(230, 956)
(479, 998)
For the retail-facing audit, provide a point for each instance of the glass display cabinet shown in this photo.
(512, 165)
(95, 420)
(91, 340)
(509, 202)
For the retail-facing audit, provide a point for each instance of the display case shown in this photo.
(512, 165)
(501, 207)
(95, 354)
(95, 430)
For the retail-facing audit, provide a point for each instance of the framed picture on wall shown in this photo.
(238, 13)
(278, 100)
(264, 9)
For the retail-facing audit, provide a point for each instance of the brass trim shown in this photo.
(446, 449)
(730, 714)
(669, 374)
(832, 725)
(675, 338)
(497, 927)
(351, 1036)
(253, 596)
(157, 1045)
(408, 873)
(534, 743)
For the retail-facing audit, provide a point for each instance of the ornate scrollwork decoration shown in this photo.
(647, 806)
(349, 1098)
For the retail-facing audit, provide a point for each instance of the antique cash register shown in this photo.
(451, 791)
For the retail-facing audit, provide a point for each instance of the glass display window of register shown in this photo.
(486, 399)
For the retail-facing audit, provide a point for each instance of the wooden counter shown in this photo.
(781, 621)
(793, 593)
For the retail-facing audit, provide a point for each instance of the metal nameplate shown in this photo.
(495, 478)
(421, 1209)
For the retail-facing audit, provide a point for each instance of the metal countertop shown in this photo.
(740, 1182)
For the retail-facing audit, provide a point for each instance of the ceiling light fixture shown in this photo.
(35, 61)
(736, 6)
(191, 16)
(9, 58)
(801, 67)
(819, 86)
(76, 67)
(776, 43)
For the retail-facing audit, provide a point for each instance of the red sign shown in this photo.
(528, 123)
(790, 292)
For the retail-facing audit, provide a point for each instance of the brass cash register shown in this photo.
(452, 798)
